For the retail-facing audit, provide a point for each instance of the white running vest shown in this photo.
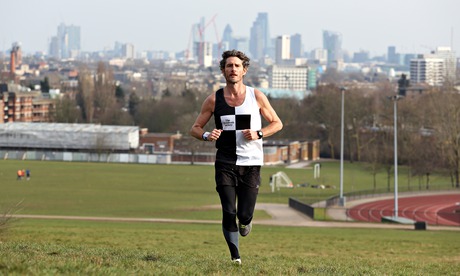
(231, 146)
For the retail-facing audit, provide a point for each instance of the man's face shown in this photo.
(234, 70)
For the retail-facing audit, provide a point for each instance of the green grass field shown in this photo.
(50, 247)
(39, 247)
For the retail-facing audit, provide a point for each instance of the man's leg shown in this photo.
(247, 191)
(225, 186)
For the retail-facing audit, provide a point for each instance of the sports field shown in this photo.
(44, 247)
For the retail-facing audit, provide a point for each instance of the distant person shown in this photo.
(19, 175)
(237, 110)
(28, 174)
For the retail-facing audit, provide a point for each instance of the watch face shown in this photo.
(260, 134)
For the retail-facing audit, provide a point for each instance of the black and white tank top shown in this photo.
(231, 146)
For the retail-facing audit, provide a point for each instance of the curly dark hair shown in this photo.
(234, 53)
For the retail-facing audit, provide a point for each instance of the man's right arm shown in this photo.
(203, 118)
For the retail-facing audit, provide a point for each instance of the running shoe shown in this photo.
(244, 229)
(236, 261)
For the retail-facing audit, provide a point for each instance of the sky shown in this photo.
(413, 26)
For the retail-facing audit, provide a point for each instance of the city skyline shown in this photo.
(412, 26)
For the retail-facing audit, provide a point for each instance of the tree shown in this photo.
(445, 118)
(359, 112)
(104, 97)
(66, 110)
(427, 159)
(293, 122)
(120, 95)
(133, 103)
(372, 153)
(85, 95)
(324, 111)
(45, 85)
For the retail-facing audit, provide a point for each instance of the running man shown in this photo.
(238, 134)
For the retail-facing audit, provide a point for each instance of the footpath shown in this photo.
(281, 215)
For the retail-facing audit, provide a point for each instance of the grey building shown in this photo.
(259, 40)
(332, 42)
(67, 42)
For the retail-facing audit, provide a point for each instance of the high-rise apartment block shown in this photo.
(435, 68)
(429, 70)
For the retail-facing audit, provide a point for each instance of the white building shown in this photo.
(427, 70)
(320, 55)
(61, 136)
(205, 54)
(450, 61)
(283, 48)
(128, 51)
(288, 77)
(434, 68)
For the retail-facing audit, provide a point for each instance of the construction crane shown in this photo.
(201, 31)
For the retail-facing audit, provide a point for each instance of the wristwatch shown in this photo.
(205, 136)
(260, 134)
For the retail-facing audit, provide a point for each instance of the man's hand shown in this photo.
(214, 135)
(250, 134)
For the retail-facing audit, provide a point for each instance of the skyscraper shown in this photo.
(283, 48)
(227, 38)
(198, 39)
(241, 44)
(259, 40)
(66, 44)
(127, 51)
(296, 46)
(391, 55)
(332, 42)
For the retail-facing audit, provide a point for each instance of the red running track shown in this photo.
(433, 209)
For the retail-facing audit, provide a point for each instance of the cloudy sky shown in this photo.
(413, 26)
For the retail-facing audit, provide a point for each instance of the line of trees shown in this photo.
(428, 122)
(428, 128)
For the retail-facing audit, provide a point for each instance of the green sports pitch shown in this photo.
(62, 247)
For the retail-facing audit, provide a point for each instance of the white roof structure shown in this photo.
(68, 136)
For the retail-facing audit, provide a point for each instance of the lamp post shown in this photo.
(395, 100)
(342, 126)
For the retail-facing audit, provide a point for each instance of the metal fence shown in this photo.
(155, 158)
(384, 192)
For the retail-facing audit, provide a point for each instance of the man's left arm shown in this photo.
(269, 114)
